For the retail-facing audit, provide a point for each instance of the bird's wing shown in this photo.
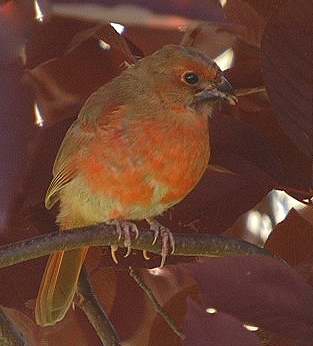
(78, 136)
(64, 169)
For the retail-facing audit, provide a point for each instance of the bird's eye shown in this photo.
(190, 78)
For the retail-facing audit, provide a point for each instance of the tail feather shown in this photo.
(58, 286)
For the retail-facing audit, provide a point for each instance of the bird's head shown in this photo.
(186, 77)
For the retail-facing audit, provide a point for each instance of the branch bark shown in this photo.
(250, 91)
(106, 235)
(95, 313)
(9, 333)
(158, 308)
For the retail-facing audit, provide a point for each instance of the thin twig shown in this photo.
(9, 334)
(158, 308)
(249, 91)
(106, 235)
(96, 315)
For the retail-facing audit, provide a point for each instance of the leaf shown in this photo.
(242, 13)
(306, 270)
(108, 35)
(220, 36)
(95, 56)
(260, 291)
(122, 297)
(172, 287)
(203, 329)
(252, 16)
(292, 239)
(246, 70)
(290, 168)
(286, 60)
(16, 123)
(141, 36)
(75, 326)
(17, 329)
(38, 176)
(266, 8)
(16, 128)
(16, 20)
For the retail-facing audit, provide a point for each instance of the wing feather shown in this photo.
(64, 169)
(77, 138)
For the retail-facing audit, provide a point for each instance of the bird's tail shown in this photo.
(58, 285)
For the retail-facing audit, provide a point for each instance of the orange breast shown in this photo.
(129, 166)
(179, 159)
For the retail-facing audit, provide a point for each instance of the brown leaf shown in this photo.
(246, 71)
(108, 35)
(292, 169)
(22, 326)
(16, 21)
(171, 287)
(74, 328)
(16, 130)
(132, 313)
(122, 299)
(211, 38)
(266, 8)
(95, 56)
(141, 37)
(286, 62)
(259, 291)
(292, 239)
(203, 329)
(240, 12)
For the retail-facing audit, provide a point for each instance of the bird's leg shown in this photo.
(124, 228)
(166, 236)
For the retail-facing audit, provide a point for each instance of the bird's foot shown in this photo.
(124, 228)
(166, 237)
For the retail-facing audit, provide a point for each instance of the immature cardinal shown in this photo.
(139, 146)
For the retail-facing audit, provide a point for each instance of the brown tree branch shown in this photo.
(95, 313)
(106, 235)
(250, 91)
(9, 334)
(158, 308)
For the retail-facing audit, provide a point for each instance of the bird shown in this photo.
(139, 145)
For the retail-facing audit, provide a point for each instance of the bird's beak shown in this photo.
(223, 91)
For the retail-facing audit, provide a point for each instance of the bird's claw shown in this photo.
(124, 228)
(145, 255)
(114, 249)
(166, 238)
(156, 231)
